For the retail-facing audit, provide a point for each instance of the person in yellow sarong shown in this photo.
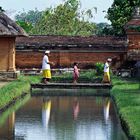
(46, 67)
(106, 78)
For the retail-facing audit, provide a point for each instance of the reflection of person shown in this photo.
(46, 109)
(46, 67)
(106, 78)
(75, 72)
(106, 110)
(76, 109)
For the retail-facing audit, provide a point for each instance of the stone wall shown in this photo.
(29, 60)
(66, 50)
(133, 53)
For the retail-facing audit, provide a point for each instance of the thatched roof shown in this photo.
(9, 27)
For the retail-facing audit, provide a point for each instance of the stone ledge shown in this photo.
(7, 76)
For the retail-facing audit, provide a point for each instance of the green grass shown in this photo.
(127, 97)
(4, 115)
(16, 88)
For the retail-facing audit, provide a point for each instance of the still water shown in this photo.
(63, 118)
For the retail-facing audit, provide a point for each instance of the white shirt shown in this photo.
(45, 64)
(106, 67)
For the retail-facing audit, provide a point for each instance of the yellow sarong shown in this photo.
(47, 74)
(106, 78)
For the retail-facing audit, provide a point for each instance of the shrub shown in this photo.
(99, 68)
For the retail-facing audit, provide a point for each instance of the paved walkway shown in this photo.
(3, 84)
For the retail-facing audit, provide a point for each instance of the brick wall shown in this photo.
(28, 59)
(133, 53)
(65, 50)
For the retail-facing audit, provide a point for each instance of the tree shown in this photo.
(65, 19)
(25, 25)
(103, 29)
(32, 16)
(120, 13)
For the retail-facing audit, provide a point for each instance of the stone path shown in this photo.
(3, 84)
(71, 85)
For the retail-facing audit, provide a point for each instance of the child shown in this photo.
(75, 73)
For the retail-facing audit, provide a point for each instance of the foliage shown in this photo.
(25, 25)
(32, 16)
(65, 19)
(69, 18)
(99, 68)
(28, 19)
(104, 29)
(135, 28)
(120, 13)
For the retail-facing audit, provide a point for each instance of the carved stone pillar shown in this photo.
(11, 55)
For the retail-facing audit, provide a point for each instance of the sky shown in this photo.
(16, 6)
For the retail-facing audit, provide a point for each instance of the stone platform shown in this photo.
(8, 76)
(71, 85)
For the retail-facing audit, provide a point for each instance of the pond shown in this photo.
(62, 118)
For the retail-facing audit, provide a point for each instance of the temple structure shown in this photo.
(85, 50)
(133, 36)
(9, 30)
(66, 49)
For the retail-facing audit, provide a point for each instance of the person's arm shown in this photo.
(47, 61)
(51, 63)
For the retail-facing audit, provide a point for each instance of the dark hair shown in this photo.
(75, 63)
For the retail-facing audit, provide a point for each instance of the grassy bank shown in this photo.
(127, 97)
(15, 89)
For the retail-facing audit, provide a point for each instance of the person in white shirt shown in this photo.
(46, 67)
(106, 78)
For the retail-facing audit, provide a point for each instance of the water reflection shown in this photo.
(76, 109)
(106, 109)
(7, 120)
(7, 130)
(46, 109)
(66, 118)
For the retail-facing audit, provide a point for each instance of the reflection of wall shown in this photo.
(8, 129)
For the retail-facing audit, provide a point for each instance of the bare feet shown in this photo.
(45, 81)
(75, 82)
